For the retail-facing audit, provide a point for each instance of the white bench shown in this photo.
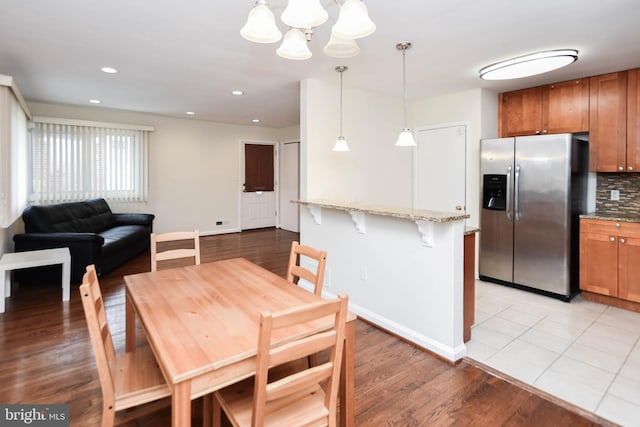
(18, 260)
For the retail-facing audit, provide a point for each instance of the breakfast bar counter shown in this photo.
(402, 268)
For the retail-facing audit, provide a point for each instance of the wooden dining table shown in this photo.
(202, 323)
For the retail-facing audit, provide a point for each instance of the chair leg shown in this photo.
(207, 410)
(217, 412)
(108, 417)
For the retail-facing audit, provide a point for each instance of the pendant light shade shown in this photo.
(261, 25)
(341, 48)
(304, 14)
(294, 46)
(341, 143)
(529, 65)
(406, 136)
(353, 21)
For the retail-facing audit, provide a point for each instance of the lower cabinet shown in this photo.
(610, 258)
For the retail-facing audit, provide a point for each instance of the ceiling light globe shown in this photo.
(294, 46)
(304, 14)
(529, 65)
(341, 48)
(261, 26)
(353, 21)
(405, 139)
(341, 144)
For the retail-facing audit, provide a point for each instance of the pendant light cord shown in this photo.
(404, 80)
(341, 72)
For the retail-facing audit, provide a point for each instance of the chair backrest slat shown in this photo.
(169, 254)
(296, 270)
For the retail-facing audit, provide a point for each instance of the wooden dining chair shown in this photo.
(130, 381)
(173, 252)
(295, 270)
(299, 398)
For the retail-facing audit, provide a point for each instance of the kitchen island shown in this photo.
(402, 268)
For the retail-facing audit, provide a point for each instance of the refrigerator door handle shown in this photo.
(509, 193)
(516, 195)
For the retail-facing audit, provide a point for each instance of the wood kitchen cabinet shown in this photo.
(610, 259)
(633, 119)
(608, 124)
(557, 108)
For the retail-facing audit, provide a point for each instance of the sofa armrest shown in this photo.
(134, 219)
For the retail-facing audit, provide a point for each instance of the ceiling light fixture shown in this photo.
(109, 70)
(237, 92)
(341, 143)
(190, 113)
(529, 65)
(405, 139)
(302, 16)
(94, 101)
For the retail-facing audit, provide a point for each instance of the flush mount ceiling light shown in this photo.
(405, 139)
(108, 70)
(341, 143)
(529, 65)
(302, 16)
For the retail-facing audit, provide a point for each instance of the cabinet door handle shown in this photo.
(621, 168)
(612, 239)
(621, 240)
(630, 168)
(544, 131)
(617, 225)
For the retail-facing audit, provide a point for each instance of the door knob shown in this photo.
(458, 207)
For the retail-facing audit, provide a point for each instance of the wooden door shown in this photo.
(608, 122)
(440, 168)
(520, 112)
(565, 107)
(633, 121)
(598, 258)
(629, 268)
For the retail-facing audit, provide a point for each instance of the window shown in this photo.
(74, 160)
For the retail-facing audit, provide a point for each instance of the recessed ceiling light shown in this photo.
(191, 113)
(256, 120)
(109, 70)
(237, 92)
(529, 65)
(95, 101)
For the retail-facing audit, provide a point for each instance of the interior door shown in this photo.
(258, 194)
(289, 186)
(440, 174)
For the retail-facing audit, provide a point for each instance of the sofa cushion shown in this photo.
(122, 237)
(89, 216)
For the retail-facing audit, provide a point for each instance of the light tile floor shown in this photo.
(585, 353)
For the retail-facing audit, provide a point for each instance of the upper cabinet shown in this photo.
(608, 124)
(633, 119)
(557, 108)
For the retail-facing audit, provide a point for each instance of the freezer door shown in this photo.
(542, 202)
(496, 224)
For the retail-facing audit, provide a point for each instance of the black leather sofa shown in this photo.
(93, 234)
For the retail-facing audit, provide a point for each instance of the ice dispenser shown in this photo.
(494, 192)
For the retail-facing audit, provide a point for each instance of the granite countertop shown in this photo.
(612, 216)
(393, 211)
(470, 230)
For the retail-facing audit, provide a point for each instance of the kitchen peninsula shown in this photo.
(402, 268)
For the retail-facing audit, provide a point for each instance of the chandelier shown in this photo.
(302, 16)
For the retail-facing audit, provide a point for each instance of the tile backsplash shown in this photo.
(629, 186)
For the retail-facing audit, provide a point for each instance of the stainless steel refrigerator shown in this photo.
(533, 189)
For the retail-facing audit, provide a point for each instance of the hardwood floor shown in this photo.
(46, 358)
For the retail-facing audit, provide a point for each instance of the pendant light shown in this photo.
(341, 48)
(341, 143)
(353, 21)
(405, 139)
(304, 14)
(294, 46)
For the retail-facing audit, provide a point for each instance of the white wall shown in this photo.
(193, 165)
(374, 171)
(478, 109)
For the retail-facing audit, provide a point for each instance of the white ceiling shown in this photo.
(177, 56)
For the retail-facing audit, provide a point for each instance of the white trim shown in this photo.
(91, 123)
(10, 82)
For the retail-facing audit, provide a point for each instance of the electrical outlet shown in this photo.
(363, 274)
(615, 195)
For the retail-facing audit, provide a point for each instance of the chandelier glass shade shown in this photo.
(294, 46)
(529, 65)
(405, 139)
(352, 23)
